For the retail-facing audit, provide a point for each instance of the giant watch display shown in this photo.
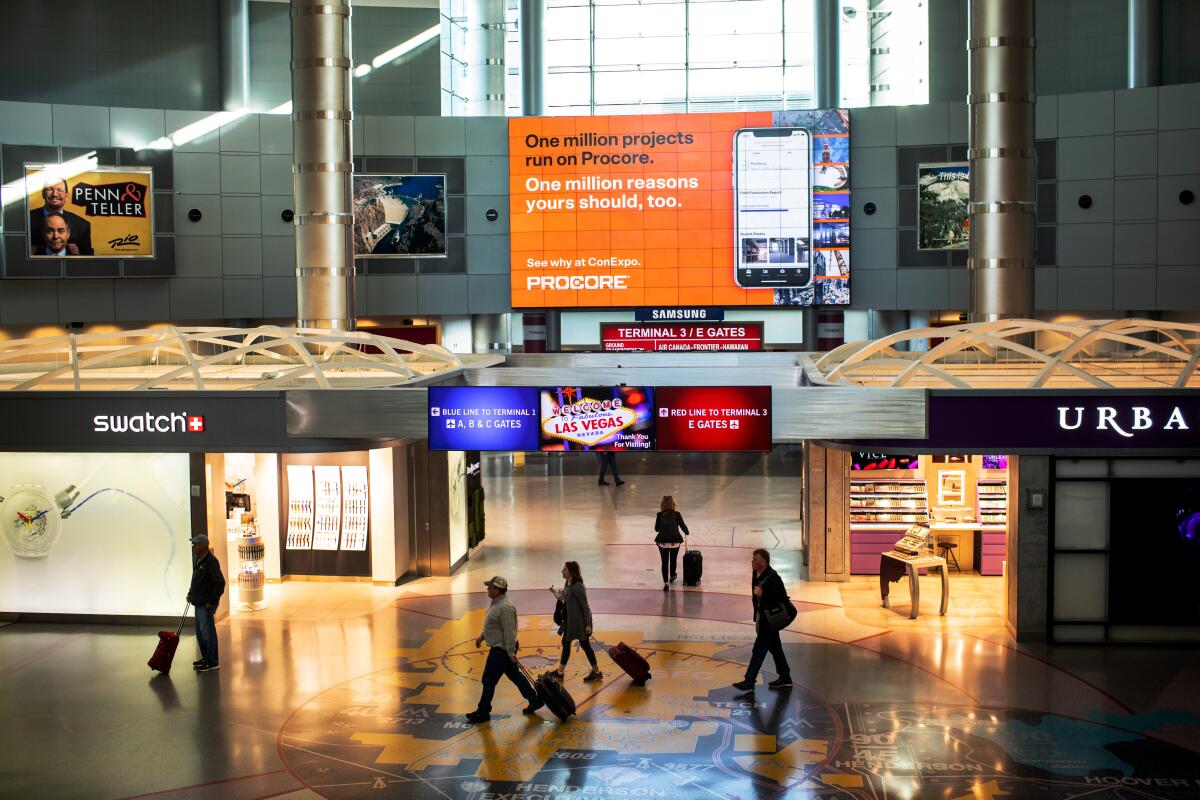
(31, 520)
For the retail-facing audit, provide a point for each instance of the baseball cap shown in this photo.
(200, 538)
(498, 582)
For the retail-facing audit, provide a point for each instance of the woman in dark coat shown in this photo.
(667, 525)
(577, 620)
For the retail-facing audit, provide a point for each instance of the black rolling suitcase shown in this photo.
(552, 693)
(693, 567)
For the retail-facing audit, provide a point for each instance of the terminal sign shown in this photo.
(618, 337)
(714, 418)
(483, 418)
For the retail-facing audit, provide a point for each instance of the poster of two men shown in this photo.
(99, 212)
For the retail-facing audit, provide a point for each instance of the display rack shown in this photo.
(251, 575)
(881, 511)
(356, 509)
(993, 502)
(991, 543)
(328, 524)
(300, 507)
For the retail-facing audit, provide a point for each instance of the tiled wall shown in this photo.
(1137, 248)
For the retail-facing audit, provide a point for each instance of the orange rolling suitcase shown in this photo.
(168, 643)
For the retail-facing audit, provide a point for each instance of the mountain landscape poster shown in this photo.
(942, 195)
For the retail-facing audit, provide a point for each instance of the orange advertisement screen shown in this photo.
(735, 209)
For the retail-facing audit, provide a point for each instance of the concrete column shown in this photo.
(485, 58)
(321, 164)
(827, 55)
(1144, 59)
(533, 58)
(1000, 103)
(234, 22)
(882, 24)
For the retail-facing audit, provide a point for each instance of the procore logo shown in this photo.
(148, 423)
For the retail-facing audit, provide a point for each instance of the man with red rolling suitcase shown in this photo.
(208, 584)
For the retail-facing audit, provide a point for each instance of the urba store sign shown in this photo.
(1064, 422)
(729, 337)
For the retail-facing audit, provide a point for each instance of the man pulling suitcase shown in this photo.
(500, 632)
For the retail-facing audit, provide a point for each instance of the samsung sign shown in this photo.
(679, 314)
(175, 422)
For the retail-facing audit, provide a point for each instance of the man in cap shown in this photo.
(208, 584)
(500, 632)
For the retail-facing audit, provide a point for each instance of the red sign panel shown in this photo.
(717, 337)
(713, 417)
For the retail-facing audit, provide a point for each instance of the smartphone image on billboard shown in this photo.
(772, 208)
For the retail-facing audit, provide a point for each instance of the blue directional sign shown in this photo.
(500, 418)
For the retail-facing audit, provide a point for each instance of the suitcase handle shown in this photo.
(179, 630)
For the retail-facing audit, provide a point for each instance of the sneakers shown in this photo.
(594, 675)
(532, 708)
(197, 662)
(744, 686)
(206, 667)
(477, 717)
(780, 683)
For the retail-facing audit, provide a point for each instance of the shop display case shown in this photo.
(356, 509)
(328, 523)
(251, 576)
(300, 507)
(991, 541)
(881, 511)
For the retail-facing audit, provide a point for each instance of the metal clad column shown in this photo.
(321, 168)
(827, 58)
(235, 54)
(485, 58)
(881, 23)
(533, 58)
(1145, 44)
(1001, 102)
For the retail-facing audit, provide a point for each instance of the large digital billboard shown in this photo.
(735, 209)
(723, 418)
(101, 212)
(597, 418)
(483, 418)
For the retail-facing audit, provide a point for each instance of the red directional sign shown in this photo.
(718, 337)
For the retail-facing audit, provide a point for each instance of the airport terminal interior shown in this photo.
(820, 379)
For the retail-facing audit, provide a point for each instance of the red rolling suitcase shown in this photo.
(168, 643)
(629, 660)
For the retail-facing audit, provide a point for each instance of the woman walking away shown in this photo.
(667, 525)
(577, 620)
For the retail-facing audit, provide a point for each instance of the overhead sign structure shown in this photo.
(679, 314)
(733, 209)
(597, 418)
(711, 337)
(483, 418)
(723, 418)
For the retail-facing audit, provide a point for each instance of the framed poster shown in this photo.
(943, 191)
(399, 216)
(100, 212)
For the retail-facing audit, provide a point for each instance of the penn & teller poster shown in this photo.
(101, 212)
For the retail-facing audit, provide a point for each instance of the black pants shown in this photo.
(767, 641)
(499, 663)
(584, 645)
(669, 557)
(608, 460)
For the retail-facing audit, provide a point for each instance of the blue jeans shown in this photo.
(608, 460)
(767, 641)
(206, 633)
(499, 664)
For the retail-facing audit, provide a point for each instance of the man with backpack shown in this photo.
(771, 607)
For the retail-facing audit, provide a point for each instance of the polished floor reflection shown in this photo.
(351, 691)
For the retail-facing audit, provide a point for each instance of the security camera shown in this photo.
(849, 12)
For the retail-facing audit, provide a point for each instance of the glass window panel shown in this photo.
(1081, 515)
(568, 88)
(1081, 587)
(729, 49)
(645, 86)
(568, 23)
(619, 22)
(658, 50)
(737, 82)
(742, 16)
(566, 53)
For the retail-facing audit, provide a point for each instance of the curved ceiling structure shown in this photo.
(268, 357)
(1021, 354)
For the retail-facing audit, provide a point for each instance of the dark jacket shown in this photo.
(773, 590)
(667, 524)
(208, 584)
(81, 230)
(577, 613)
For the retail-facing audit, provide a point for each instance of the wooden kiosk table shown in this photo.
(893, 565)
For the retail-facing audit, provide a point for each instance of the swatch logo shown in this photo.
(148, 423)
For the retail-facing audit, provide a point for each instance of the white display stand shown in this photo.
(356, 508)
(328, 524)
(300, 507)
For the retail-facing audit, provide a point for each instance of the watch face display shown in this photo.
(31, 521)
